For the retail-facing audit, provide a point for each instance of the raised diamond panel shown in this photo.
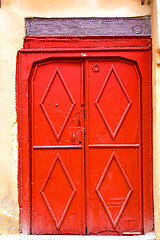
(57, 103)
(113, 102)
(52, 191)
(114, 189)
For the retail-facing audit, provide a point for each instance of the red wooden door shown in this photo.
(85, 141)
(113, 147)
(85, 136)
(57, 143)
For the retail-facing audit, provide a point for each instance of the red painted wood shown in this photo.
(114, 118)
(87, 43)
(24, 172)
(57, 173)
(60, 190)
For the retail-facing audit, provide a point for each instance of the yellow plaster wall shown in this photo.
(156, 112)
(12, 14)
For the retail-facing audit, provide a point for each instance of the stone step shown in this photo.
(150, 236)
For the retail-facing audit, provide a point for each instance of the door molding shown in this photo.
(37, 50)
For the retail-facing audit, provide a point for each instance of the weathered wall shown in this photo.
(12, 14)
(156, 112)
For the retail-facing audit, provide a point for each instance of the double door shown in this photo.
(86, 147)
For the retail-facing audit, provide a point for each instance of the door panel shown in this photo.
(113, 146)
(57, 96)
(114, 100)
(58, 193)
(57, 141)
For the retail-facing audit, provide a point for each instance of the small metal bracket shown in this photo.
(148, 2)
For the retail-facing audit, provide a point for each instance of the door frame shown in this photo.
(37, 48)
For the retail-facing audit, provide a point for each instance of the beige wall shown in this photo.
(12, 14)
(156, 112)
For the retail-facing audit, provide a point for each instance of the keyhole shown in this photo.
(79, 123)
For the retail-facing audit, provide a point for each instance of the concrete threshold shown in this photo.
(150, 236)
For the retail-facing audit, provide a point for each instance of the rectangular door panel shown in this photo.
(57, 99)
(114, 90)
(57, 146)
(57, 188)
(114, 203)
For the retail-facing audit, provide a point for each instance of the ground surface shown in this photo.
(150, 236)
